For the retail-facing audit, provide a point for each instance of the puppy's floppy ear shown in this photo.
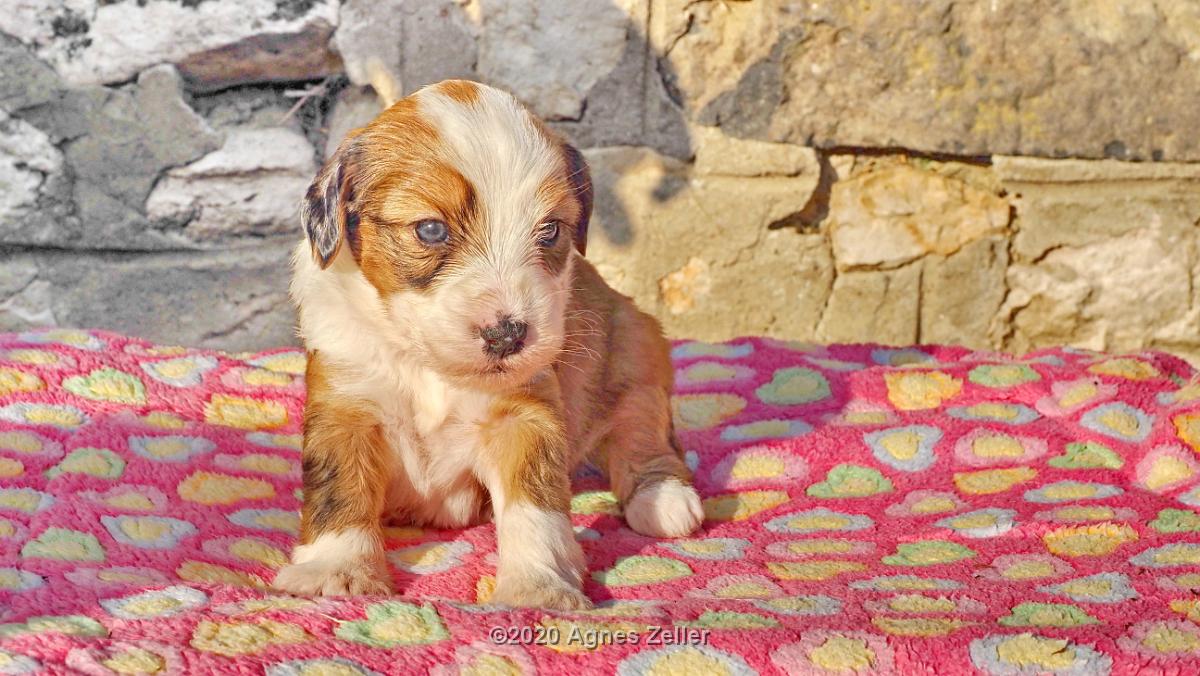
(581, 183)
(329, 213)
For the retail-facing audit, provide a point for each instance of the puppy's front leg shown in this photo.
(525, 471)
(341, 541)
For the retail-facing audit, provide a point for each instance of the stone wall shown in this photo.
(1002, 174)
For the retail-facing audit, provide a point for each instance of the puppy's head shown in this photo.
(462, 210)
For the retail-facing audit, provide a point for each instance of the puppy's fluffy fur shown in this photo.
(454, 212)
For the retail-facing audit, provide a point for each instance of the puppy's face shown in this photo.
(462, 210)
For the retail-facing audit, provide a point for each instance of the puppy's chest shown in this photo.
(431, 427)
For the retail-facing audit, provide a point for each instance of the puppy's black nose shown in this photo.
(503, 338)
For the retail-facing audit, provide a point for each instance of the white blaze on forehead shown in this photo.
(496, 146)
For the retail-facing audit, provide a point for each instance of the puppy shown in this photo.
(463, 356)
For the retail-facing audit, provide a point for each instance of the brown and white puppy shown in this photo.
(463, 356)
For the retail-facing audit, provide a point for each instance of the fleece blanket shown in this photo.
(869, 510)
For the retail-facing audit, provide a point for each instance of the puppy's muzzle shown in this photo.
(504, 338)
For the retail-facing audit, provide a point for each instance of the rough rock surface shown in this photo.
(1125, 273)
(216, 299)
(250, 187)
(267, 57)
(1085, 78)
(690, 246)
(111, 41)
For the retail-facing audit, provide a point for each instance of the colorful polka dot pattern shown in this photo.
(869, 510)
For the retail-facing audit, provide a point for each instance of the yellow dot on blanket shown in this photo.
(901, 445)
(21, 442)
(1029, 570)
(245, 413)
(843, 654)
(244, 638)
(390, 624)
(251, 549)
(813, 570)
(928, 553)
(1078, 394)
(997, 446)
(135, 661)
(131, 501)
(208, 488)
(271, 519)
(1084, 513)
(919, 603)
(992, 410)
(1026, 650)
(992, 480)
(97, 462)
(924, 627)
(1187, 607)
(12, 380)
(1124, 367)
(685, 659)
(64, 545)
(1167, 471)
(757, 466)
(11, 468)
(483, 664)
(1089, 587)
(201, 572)
(66, 417)
(1187, 581)
(33, 357)
(265, 378)
(156, 603)
(1122, 422)
(1166, 639)
(267, 464)
(915, 391)
(745, 590)
(700, 411)
(1099, 539)
(293, 363)
(107, 384)
(741, 506)
(638, 570)
(166, 350)
(1064, 491)
(935, 504)
(164, 421)
(485, 586)
(807, 547)
(595, 502)
(1187, 426)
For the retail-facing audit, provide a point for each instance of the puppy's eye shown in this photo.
(547, 234)
(432, 232)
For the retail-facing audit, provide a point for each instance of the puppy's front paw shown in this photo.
(545, 591)
(334, 578)
(664, 509)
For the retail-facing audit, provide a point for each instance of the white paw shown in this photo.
(334, 578)
(665, 509)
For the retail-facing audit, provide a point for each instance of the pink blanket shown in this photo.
(869, 510)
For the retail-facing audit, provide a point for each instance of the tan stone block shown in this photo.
(723, 155)
(896, 214)
(878, 306)
(961, 294)
(699, 252)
